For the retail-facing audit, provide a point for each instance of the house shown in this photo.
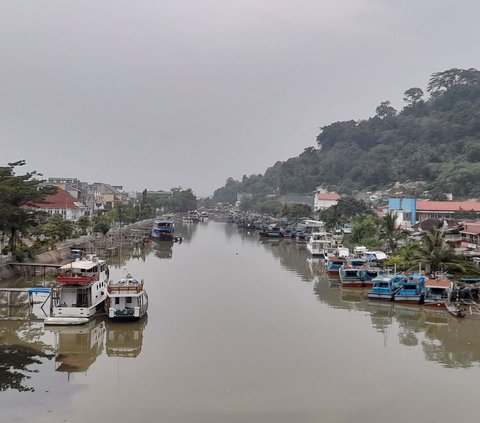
(471, 235)
(324, 199)
(410, 210)
(101, 196)
(62, 203)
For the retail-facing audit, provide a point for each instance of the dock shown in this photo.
(31, 268)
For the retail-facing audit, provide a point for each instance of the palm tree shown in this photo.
(433, 252)
(332, 217)
(390, 232)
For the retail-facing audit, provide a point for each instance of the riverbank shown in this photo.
(104, 245)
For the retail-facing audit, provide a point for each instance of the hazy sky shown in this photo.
(155, 94)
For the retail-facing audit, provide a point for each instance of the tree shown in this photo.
(385, 110)
(332, 217)
(272, 207)
(16, 192)
(57, 228)
(181, 201)
(390, 231)
(102, 226)
(433, 253)
(365, 231)
(295, 211)
(412, 96)
(83, 223)
(444, 81)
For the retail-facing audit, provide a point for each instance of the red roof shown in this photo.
(321, 196)
(438, 283)
(471, 228)
(448, 206)
(60, 200)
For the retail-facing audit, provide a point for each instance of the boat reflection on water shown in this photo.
(77, 347)
(443, 338)
(125, 339)
(163, 249)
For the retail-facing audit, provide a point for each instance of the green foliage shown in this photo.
(83, 223)
(17, 191)
(435, 140)
(433, 253)
(101, 226)
(390, 232)
(56, 229)
(180, 201)
(365, 231)
(271, 207)
(296, 211)
(345, 211)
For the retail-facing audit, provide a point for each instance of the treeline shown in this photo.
(434, 140)
(24, 229)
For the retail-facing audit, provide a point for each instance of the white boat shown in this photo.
(80, 293)
(437, 292)
(319, 244)
(126, 299)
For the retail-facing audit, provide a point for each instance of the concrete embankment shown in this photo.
(128, 235)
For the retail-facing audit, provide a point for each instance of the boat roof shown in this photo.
(438, 283)
(85, 264)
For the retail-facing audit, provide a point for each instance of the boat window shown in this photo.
(128, 299)
(117, 300)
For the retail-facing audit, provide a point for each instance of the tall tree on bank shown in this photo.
(390, 231)
(17, 191)
(434, 254)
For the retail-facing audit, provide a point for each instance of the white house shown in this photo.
(324, 200)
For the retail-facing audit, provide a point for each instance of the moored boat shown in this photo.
(334, 264)
(80, 291)
(412, 290)
(385, 287)
(163, 230)
(437, 292)
(318, 244)
(126, 299)
(352, 277)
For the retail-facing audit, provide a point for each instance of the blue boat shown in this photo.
(412, 290)
(333, 266)
(163, 230)
(385, 287)
(351, 277)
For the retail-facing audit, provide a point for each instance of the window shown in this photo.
(117, 300)
(128, 299)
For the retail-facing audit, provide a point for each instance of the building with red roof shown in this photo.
(324, 199)
(62, 203)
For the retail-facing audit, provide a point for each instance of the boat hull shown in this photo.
(408, 299)
(65, 321)
(382, 297)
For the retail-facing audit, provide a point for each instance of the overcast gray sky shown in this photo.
(155, 94)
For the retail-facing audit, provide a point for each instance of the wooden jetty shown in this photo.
(30, 268)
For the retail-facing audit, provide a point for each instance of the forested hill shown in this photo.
(435, 138)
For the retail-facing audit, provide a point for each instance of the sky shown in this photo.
(158, 94)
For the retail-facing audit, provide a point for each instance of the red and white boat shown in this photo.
(80, 292)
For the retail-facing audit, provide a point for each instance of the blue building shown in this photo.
(406, 208)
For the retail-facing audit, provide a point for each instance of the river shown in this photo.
(237, 331)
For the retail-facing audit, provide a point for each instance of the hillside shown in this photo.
(434, 140)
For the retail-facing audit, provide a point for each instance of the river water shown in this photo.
(240, 330)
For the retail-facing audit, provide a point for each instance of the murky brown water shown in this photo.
(243, 331)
